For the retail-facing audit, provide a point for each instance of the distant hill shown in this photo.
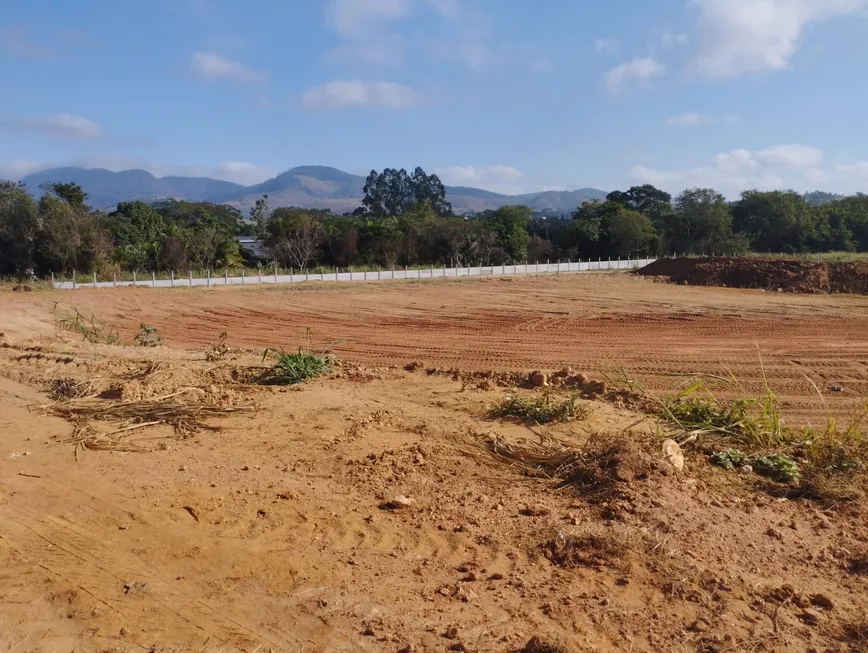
(305, 186)
(819, 197)
(106, 188)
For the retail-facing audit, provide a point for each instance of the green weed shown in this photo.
(728, 459)
(148, 336)
(70, 320)
(298, 367)
(777, 467)
(539, 409)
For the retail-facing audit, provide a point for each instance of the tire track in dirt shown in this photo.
(596, 323)
(58, 545)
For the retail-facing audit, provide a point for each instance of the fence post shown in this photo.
(208, 277)
(153, 279)
(226, 276)
(322, 274)
(365, 272)
(172, 278)
(307, 275)
(94, 279)
(242, 276)
(275, 273)
(190, 271)
(134, 278)
(609, 264)
(114, 279)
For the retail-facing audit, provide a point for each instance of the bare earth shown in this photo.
(595, 323)
(269, 532)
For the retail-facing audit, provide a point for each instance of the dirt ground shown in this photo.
(602, 324)
(268, 528)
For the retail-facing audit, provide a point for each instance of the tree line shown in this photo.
(405, 219)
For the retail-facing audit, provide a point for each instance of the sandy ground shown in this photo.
(603, 324)
(268, 531)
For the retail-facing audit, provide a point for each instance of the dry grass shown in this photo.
(598, 471)
(594, 545)
(185, 418)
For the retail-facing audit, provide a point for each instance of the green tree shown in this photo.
(610, 229)
(393, 192)
(20, 230)
(70, 193)
(701, 223)
(775, 221)
(646, 199)
(509, 238)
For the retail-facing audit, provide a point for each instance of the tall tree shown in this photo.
(609, 229)
(775, 221)
(392, 192)
(646, 199)
(508, 226)
(20, 230)
(701, 223)
(292, 237)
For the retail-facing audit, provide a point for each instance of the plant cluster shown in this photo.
(543, 409)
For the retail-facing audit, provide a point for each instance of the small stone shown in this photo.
(672, 454)
(409, 648)
(539, 379)
(398, 502)
(182, 468)
(451, 633)
(457, 646)
(802, 601)
(746, 469)
(822, 601)
(699, 626)
(811, 617)
(496, 577)
(775, 533)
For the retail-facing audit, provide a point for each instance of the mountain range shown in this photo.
(305, 187)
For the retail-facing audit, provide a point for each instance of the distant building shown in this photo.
(252, 245)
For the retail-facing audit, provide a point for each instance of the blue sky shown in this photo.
(509, 95)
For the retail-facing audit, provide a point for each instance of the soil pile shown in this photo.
(767, 274)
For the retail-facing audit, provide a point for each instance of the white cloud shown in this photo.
(209, 65)
(748, 36)
(357, 93)
(496, 178)
(670, 38)
(638, 70)
(698, 119)
(15, 170)
(778, 167)
(606, 46)
(361, 18)
(63, 126)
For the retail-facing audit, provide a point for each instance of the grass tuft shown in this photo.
(70, 320)
(301, 366)
(539, 410)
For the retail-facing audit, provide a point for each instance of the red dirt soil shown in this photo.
(594, 323)
(791, 276)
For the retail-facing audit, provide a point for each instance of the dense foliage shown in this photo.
(405, 219)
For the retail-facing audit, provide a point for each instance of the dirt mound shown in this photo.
(766, 274)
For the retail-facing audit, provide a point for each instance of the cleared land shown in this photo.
(594, 323)
(165, 499)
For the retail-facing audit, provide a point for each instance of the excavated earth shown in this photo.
(380, 508)
(778, 275)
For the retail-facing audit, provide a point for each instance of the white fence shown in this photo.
(379, 275)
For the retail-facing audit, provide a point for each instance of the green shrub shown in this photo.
(539, 410)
